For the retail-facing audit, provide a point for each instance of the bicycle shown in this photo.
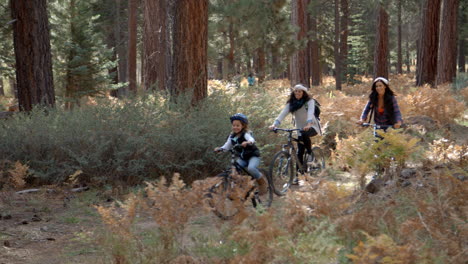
(378, 178)
(285, 163)
(228, 195)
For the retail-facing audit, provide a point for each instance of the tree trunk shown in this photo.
(381, 45)
(154, 45)
(461, 55)
(112, 43)
(462, 43)
(314, 50)
(299, 60)
(399, 51)
(2, 91)
(132, 45)
(261, 64)
(231, 66)
(190, 48)
(31, 37)
(447, 61)
(336, 47)
(120, 50)
(344, 32)
(427, 70)
(13, 87)
(408, 62)
(71, 83)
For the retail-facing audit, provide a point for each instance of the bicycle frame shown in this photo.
(289, 147)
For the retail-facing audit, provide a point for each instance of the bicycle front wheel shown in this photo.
(315, 161)
(223, 199)
(281, 172)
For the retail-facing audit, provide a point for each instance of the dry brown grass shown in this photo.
(15, 177)
(422, 223)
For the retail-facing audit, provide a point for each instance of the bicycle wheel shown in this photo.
(263, 201)
(315, 162)
(281, 172)
(222, 198)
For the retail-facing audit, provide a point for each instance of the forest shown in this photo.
(111, 109)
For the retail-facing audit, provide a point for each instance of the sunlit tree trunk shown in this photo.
(190, 48)
(381, 45)
(427, 67)
(31, 36)
(447, 61)
(299, 60)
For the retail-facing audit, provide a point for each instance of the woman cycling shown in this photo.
(302, 107)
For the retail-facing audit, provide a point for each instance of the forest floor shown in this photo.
(56, 226)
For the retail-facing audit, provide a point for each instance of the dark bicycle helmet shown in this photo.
(240, 117)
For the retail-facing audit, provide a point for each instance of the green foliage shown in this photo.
(367, 154)
(81, 59)
(253, 24)
(128, 141)
(7, 56)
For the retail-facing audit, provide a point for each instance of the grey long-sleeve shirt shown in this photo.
(302, 116)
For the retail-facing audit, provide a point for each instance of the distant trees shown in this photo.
(32, 52)
(82, 58)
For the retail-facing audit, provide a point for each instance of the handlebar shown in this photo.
(285, 130)
(376, 126)
(236, 147)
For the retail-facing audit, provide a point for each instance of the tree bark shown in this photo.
(461, 56)
(427, 68)
(31, 37)
(261, 64)
(299, 60)
(190, 48)
(2, 90)
(314, 51)
(132, 45)
(462, 42)
(344, 32)
(447, 61)
(336, 47)
(155, 45)
(381, 45)
(399, 51)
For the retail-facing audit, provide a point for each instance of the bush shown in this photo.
(128, 141)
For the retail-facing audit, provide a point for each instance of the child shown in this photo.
(250, 155)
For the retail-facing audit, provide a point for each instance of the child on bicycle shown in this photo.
(250, 155)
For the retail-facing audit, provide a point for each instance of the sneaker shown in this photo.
(295, 181)
(262, 186)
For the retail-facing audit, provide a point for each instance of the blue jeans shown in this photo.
(252, 166)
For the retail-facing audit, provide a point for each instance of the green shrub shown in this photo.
(128, 141)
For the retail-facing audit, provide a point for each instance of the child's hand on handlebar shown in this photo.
(272, 127)
(218, 150)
